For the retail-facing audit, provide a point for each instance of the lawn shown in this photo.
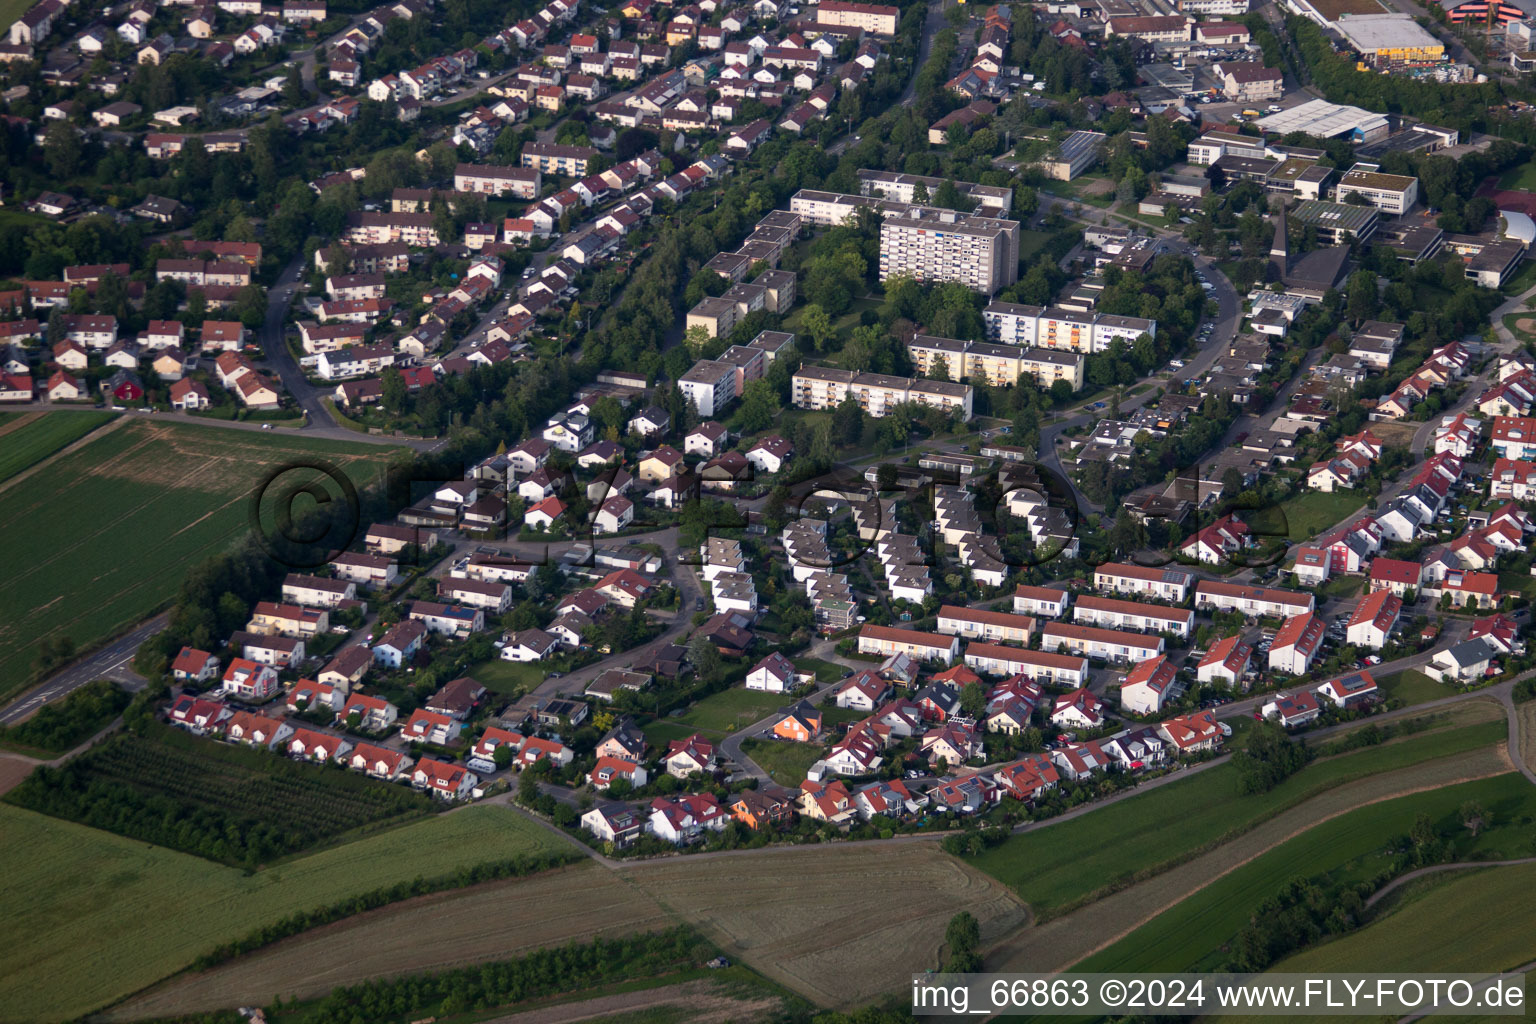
(1521, 176)
(509, 678)
(1059, 867)
(1342, 586)
(35, 440)
(729, 710)
(114, 525)
(786, 762)
(1189, 936)
(1312, 512)
(1412, 687)
(1031, 242)
(824, 671)
(77, 898)
(1518, 582)
(226, 803)
(1513, 320)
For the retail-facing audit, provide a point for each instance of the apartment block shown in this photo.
(495, 180)
(1061, 329)
(824, 387)
(1001, 365)
(903, 188)
(941, 245)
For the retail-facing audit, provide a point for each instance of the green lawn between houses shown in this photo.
(785, 762)
(1059, 866)
(1312, 512)
(78, 899)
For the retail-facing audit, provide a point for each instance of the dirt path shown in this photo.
(16, 767)
(1065, 940)
(99, 432)
(1525, 715)
(19, 422)
(706, 1002)
(1465, 865)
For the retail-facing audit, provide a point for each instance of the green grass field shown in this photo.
(1349, 848)
(1478, 921)
(1312, 512)
(113, 526)
(33, 442)
(509, 678)
(721, 713)
(1060, 866)
(1412, 687)
(78, 900)
(785, 762)
(1519, 177)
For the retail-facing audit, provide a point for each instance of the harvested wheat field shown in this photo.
(778, 911)
(495, 921)
(1065, 940)
(701, 1001)
(769, 908)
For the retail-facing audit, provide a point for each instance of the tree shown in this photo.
(502, 756)
(817, 325)
(695, 338)
(392, 381)
(759, 406)
(939, 369)
(920, 194)
(62, 150)
(847, 422)
(961, 937)
(886, 476)
(1269, 758)
(973, 700)
(705, 657)
(293, 87)
(251, 306)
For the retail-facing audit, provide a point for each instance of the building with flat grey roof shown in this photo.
(1337, 223)
(898, 186)
(1076, 154)
(926, 244)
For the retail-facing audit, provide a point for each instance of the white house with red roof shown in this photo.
(608, 770)
(1395, 575)
(616, 513)
(536, 747)
(1226, 662)
(1294, 710)
(1223, 537)
(321, 747)
(1349, 690)
(1080, 760)
(685, 818)
(1501, 631)
(307, 693)
(1468, 589)
(249, 681)
(1297, 644)
(862, 691)
(858, 752)
(1027, 778)
(1458, 434)
(374, 714)
(1149, 686)
(194, 666)
(774, 674)
(1078, 710)
(1374, 618)
(429, 727)
(689, 755)
(199, 714)
(1194, 733)
(951, 743)
(380, 762)
(444, 780)
(256, 730)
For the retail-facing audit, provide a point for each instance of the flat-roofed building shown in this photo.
(1077, 153)
(928, 244)
(903, 188)
(878, 394)
(1337, 223)
(1394, 194)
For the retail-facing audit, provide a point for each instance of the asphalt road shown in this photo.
(114, 661)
